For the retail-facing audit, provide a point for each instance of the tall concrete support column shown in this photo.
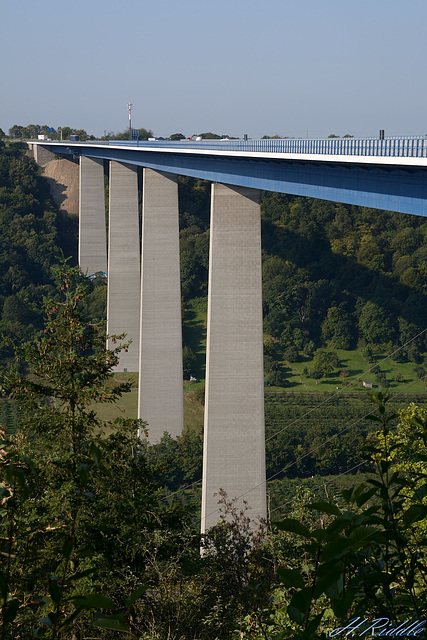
(124, 265)
(92, 228)
(234, 441)
(160, 369)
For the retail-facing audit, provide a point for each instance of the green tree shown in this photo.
(65, 530)
(408, 453)
(32, 131)
(324, 362)
(210, 136)
(375, 324)
(291, 354)
(188, 360)
(274, 372)
(83, 135)
(67, 132)
(177, 136)
(366, 560)
(194, 246)
(337, 328)
(32, 236)
(16, 131)
(144, 134)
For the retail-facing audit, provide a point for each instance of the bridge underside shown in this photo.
(369, 185)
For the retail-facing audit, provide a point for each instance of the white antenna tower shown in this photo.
(130, 124)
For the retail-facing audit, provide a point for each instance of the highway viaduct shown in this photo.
(144, 287)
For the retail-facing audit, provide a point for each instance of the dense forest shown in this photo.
(33, 233)
(99, 533)
(333, 274)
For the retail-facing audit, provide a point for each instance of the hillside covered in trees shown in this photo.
(342, 274)
(333, 274)
(33, 234)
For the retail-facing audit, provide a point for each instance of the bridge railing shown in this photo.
(415, 147)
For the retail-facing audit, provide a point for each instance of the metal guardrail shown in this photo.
(394, 147)
(415, 147)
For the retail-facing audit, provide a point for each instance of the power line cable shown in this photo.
(307, 413)
(311, 411)
(330, 481)
(337, 393)
(287, 467)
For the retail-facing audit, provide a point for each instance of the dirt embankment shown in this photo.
(63, 178)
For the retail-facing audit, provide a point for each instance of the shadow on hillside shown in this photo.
(292, 383)
(194, 335)
(353, 373)
(58, 191)
(369, 285)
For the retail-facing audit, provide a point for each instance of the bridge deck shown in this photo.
(388, 174)
(347, 149)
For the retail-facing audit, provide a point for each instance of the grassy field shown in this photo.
(353, 371)
(348, 389)
(127, 406)
(193, 407)
(348, 378)
(194, 332)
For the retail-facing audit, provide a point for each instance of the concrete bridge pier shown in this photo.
(92, 231)
(234, 441)
(161, 401)
(124, 267)
(41, 154)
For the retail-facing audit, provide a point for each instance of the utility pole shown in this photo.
(130, 123)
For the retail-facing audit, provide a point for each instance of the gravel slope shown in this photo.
(63, 178)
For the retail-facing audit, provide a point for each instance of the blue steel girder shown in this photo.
(389, 187)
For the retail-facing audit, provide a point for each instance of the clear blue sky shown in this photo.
(291, 67)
